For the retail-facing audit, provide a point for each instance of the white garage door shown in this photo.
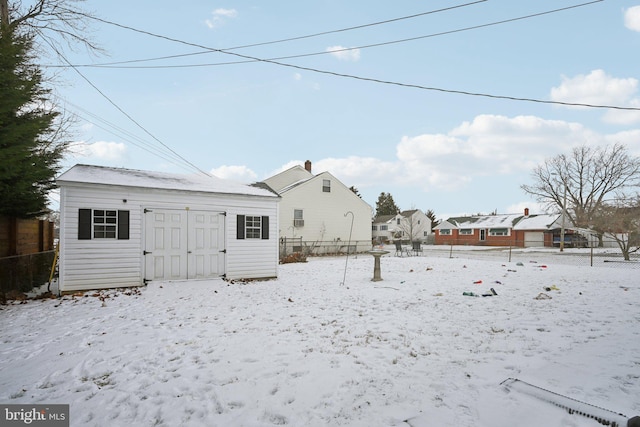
(181, 244)
(533, 239)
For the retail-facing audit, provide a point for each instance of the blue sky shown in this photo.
(431, 149)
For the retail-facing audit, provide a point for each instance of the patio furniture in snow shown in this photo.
(417, 248)
(401, 250)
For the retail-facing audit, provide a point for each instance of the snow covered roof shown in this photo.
(514, 221)
(536, 222)
(487, 221)
(88, 174)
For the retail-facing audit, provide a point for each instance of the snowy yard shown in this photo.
(305, 350)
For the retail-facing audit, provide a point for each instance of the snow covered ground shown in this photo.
(307, 350)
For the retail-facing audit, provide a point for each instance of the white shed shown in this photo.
(123, 227)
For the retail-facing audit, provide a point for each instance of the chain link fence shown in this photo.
(591, 256)
(291, 245)
(24, 272)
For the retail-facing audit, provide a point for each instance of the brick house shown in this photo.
(520, 230)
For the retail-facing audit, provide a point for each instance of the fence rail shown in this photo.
(590, 256)
(290, 245)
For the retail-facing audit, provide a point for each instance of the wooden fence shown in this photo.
(26, 253)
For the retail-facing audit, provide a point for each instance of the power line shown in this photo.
(123, 134)
(389, 82)
(122, 111)
(280, 40)
(227, 50)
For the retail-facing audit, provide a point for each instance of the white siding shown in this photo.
(324, 213)
(107, 263)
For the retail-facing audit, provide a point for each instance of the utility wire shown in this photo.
(281, 40)
(226, 50)
(122, 111)
(388, 82)
(123, 134)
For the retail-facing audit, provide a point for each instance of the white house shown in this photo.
(122, 227)
(411, 225)
(318, 211)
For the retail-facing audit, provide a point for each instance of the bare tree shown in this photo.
(412, 226)
(585, 179)
(620, 221)
(55, 22)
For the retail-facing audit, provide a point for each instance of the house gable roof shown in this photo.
(101, 175)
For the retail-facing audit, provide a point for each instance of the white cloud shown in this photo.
(218, 17)
(344, 53)
(228, 13)
(601, 89)
(101, 150)
(297, 76)
(235, 173)
(488, 145)
(595, 88)
(632, 18)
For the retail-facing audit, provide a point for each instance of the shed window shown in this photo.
(466, 231)
(103, 224)
(252, 227)
(326, 185)
(445, 232)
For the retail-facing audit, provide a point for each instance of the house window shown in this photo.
(103, 224)
(466, 231)
(498, 232)
(252, 227)
(298, 219)
(374, 228)
(445, 232)
(326, 185)
(398, 221)
(384, 227)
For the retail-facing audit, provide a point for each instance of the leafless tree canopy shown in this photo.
(55, 22)
(590, 176)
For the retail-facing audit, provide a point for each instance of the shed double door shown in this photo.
(183, 244)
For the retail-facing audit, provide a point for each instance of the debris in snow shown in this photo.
(542, 296)
(477, 282)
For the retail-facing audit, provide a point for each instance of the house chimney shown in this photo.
(526, 211)
(307, 165)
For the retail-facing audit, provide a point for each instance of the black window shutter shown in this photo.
(240, 227)
(265, 227)
(123, 225)
(84, 224)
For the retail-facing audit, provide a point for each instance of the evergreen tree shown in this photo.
(385, 205)
(29, 150)
(432, 216)
(355, 191)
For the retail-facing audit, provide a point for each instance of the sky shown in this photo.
(384, 104)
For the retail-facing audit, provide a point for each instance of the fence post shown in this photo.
(509, 253)
(451, 251)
